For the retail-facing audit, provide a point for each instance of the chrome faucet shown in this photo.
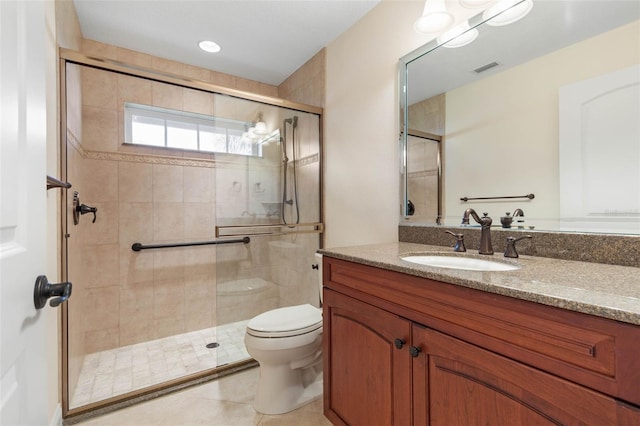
(485, 231)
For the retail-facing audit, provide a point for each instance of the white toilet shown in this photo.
(287, 343)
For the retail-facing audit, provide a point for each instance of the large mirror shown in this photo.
(546, 109)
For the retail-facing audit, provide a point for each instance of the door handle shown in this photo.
(43, 290)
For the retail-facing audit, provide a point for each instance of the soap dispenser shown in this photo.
(506, 220)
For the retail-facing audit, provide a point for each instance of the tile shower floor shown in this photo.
(128, 368)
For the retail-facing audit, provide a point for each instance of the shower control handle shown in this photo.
(84, 209)
(44, 290)
(80, 209)
(399, 343)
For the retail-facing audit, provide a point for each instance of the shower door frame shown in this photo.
(73, 57)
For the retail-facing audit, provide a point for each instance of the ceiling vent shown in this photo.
(486, 67)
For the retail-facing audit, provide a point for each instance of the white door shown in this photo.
(600, 147)
(23, 378)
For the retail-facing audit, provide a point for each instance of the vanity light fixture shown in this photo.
(251, 134)
(209, 46)
(260, 128)
(473, 4)
(435, 18)
(458, 36)
(507, 12)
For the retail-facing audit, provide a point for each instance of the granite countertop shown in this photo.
(607, 291)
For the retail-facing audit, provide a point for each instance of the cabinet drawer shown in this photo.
(593, 351)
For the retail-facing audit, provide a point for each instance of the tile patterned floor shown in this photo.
(223, 402)
(121, 370)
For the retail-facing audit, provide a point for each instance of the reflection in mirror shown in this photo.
(507, 108)
(423, 175)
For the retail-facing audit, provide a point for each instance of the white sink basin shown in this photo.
(455, 262)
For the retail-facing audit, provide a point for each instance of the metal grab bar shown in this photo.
(139, 246)
(529, 196)
(56, 183)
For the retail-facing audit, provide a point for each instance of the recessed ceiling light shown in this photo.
(209, 46)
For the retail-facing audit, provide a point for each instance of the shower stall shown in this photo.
(193, 209)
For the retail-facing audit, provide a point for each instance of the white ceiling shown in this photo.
(262, 40)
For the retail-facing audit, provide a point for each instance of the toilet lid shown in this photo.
(289, 321)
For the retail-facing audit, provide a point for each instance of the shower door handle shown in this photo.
(43, 290)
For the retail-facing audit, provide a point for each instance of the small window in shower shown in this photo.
(162, 127)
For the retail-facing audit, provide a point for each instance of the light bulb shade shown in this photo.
(251, 133)
(260, 128)
(507, 12)
(434, 19)
(458, 36)
(473, 4)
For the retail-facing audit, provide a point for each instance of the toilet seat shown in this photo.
(286, 322)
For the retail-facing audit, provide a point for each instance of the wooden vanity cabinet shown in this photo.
(370, 371)
(388, 363)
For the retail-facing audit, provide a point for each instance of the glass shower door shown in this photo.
(153, 306)
(274, 199)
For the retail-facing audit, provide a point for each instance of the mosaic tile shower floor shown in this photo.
(117, 371)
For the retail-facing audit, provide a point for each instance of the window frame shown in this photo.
(234, 129)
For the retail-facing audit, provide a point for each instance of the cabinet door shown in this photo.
(367, 378)
(456, 383)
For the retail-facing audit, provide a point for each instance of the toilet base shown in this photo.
(299, 388)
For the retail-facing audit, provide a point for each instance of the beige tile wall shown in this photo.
(137, 296)
(307, 84)
(91, 47)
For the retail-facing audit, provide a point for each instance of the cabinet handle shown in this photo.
(399, 343)
(414, 351)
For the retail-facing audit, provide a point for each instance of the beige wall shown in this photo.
(361, 124)
(68, 30)
(519, 140)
